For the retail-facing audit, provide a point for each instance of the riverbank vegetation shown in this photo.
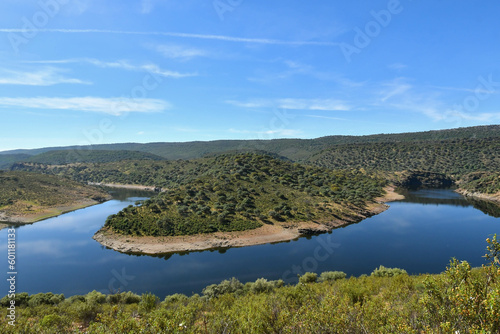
(482, 182)
(27, 197)
(236, 192)
(462, 299)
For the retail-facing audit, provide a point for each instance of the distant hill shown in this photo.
(7, 159)
(454, 157)
(293, 149)
(63, 157)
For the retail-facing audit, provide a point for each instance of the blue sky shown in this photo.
(107, 71)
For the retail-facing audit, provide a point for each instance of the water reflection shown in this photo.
(59, 254)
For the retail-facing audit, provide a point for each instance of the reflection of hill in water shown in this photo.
(122, 193)
(489, 208)
(450, 198)
(446, 197)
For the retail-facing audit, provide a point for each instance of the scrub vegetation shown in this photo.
(460, 300)
(243, 191)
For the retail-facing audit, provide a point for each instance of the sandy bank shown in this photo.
(487, 197)
(45, 212)
(123, 186)
(262, 235)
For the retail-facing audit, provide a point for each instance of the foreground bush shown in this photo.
(461, 300)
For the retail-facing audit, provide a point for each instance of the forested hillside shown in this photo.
(240, 192)
(483, 182)
(93, 156)
(293, 149)
(30, 194)
(453, 157)
(6, 160)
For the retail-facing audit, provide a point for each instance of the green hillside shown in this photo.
(96, 156)
(6, 160)
(293, 149)
(483, 182)
(240, 192)
(453, 157)
(36, 195)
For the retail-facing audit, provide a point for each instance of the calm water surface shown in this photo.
(419, 234)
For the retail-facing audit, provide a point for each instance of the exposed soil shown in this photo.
(262, 235)
(42, 213)
(487, 197)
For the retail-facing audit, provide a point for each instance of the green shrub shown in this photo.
(263, 285)
(308, 278)
(55, 322)
(388, 272)
(45, 299)
(175, 298)
(330, 276)
(95, 297)
(226, 286)
(148, 303)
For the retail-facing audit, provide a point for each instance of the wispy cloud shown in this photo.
(477, 90)
(120, 64)
(111, 106)
(278, 132)
(397, 66)
(327, 117)
(224, 38)
(43, 77)
(289, 69)
(294, 104)
(180, 52)
(394, 88)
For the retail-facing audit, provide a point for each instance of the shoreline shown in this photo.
(47, 213)
(124, 186)
(485, 197)
(259, 236)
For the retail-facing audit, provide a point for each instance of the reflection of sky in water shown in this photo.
(59, 254)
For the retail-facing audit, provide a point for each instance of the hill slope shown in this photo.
(245, 191)
(28, 197)
(293, 149)
(453, 157)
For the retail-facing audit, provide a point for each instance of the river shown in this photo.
(420, 234)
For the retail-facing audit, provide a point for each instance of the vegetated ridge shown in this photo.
(28, 197)
(244, 191)
(293, 149)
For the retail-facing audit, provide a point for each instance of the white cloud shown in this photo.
(120, 64)
(176, 34)
(110, 106)
(294, 104)
(43, 77)
(394, 88)
(180, 52)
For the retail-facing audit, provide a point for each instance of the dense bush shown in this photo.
(388, 272)
(330, 276)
